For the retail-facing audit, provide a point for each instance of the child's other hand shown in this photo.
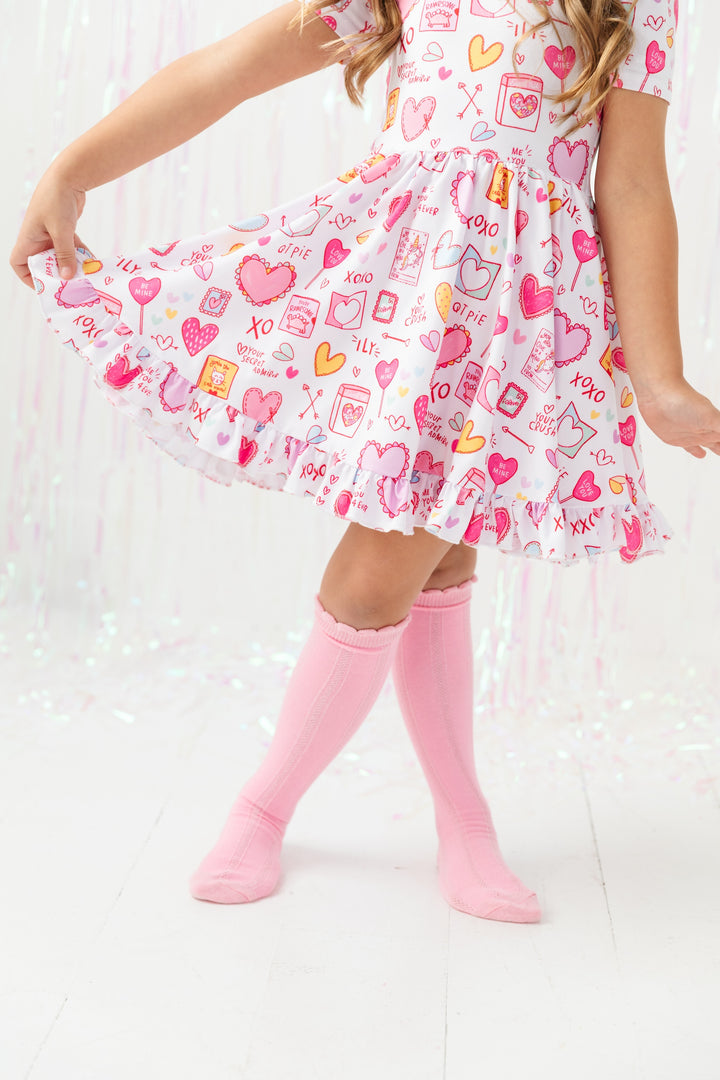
(681, 416)
(50, 222)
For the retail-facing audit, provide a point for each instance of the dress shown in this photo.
(436, 340)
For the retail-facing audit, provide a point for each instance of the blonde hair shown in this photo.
(602, 29)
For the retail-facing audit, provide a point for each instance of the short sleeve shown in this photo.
(348, 17)
(649, 67)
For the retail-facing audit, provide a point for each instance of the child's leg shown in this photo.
(433, 676)
(338, 676)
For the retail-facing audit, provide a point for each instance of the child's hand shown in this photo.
(681, 416)
(50, 223)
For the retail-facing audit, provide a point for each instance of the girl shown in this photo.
(441, 363)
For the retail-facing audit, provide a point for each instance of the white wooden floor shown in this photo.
(116, 778)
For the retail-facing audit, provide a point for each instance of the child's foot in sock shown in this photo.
(473, 875)
(244, 865)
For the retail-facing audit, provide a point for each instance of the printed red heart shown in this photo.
(248, 450)
(119, 373)
(586, 488)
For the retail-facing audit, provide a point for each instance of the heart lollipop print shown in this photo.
(385, 373)
(501, 470)
(585, 489)
(628, 431)
(143, 291)
(334, 254)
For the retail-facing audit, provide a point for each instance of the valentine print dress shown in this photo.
(426, 340)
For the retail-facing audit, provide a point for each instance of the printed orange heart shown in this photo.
(402, 390)
(479, 56)
(627, 399)
(554, 204)
(325, 364)
(91, 266)
(594, 415)
(467, 443)
(363, 236)
(170, 313)
(617, 484)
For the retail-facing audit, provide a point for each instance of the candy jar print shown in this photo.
(335, 253)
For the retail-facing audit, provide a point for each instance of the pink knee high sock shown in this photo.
(338, 676)
(433, 677)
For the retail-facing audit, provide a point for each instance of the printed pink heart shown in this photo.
(204, 270)
(586, 489)
(501, 469)
(444, 72)
(560, 61)
(342, 503)
(415, 116)
(431, 340)
(264, 240)
(633, 539)
(502, 523)
(291, 372)
(263, 283)
(500, 325)
(627, 430)
(475, 527)
(175, 392)
(618, 359)
(571, 341)
(197, 338)
(396, 493)
(519, 338)
(550, 455)
(390, 461)
(143, 290)
(381, 247)
(420, 410)
(534, 299)
(570, 160)
(523, 106)
(222, 438)
(385, 371)
(602, 458)
(454, 344)
(398, 206)
(334, 253)
(355, 196)
(351, 414)
(521, 220)
(248, 450)
(119, 374)
(424, 463)
(259, 406)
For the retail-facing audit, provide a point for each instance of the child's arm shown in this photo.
(636, 220)
(637, 224)
(178, 102)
